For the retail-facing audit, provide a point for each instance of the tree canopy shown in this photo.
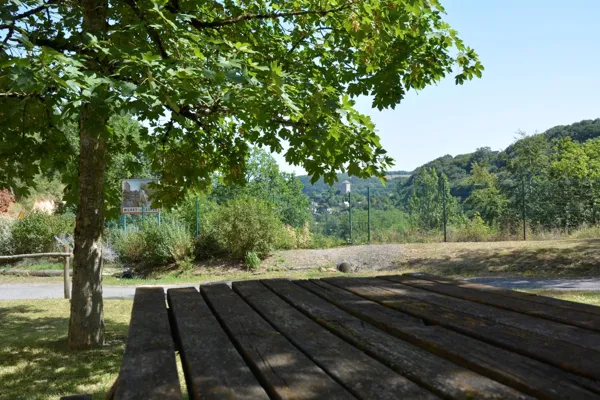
(208, 80)
(211, 77)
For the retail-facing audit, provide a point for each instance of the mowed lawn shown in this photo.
(35, 362)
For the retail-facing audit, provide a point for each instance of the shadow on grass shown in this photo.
(35, 362)
(543, 259)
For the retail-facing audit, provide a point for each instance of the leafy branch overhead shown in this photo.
(211, 78)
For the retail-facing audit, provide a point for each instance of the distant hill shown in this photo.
(457, 168)
(358, 185)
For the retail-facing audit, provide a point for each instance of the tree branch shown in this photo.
(58, 45)
(35, 10)
(196, 23)
(17, 95)
(154, 36)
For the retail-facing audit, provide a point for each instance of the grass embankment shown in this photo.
(36, 364)
(548, 258)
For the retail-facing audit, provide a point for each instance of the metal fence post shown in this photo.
(523, 207)
(158, 217)
(124, 222)
(350, 212)
(445, 212)
(197, 217)
(369, 214)
(143, 211)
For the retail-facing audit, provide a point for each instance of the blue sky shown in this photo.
(542, 69)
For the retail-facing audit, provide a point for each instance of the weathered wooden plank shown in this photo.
(148, 369)
(568, 317)
(36, 255)
(556, 330)
(284, 371)
(360, 374)
(563, 304)
(523, 373)
(439, 375)
(561, 354)
(212, 366)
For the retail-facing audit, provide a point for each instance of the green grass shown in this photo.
(578, 296)
(35, 362)
(33, 265)
(43, 266)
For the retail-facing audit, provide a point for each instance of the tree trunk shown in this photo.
(86, 325)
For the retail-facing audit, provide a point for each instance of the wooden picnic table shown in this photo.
(390, 337)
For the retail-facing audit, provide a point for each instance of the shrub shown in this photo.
(474, 230)
(586, 232)
(246, 224)
(35, 232)
(153, 243)
(207, 245)
(252, 261)
(320, 241)
(293, 238)
(130, 245)
(286, 238)
(6, 243)
(303, 237)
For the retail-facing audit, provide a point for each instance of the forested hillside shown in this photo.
(459, 168)
(552, 179)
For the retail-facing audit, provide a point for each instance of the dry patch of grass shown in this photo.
(35, 362)
(551, 258)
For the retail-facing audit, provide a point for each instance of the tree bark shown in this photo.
(86, 324)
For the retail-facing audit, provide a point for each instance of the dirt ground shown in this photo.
(373, 257)
(551, 258)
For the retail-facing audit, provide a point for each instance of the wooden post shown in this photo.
(66, 277)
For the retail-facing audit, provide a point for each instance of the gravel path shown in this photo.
(366, 257)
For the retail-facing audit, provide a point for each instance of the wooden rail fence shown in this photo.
(66, 256)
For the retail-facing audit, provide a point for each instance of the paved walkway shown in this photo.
(541, 283)
(22, 291)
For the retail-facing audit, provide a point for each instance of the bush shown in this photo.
(244, 225)
(320, 241)
(153, 243)
(252, 261)
(130, 245)
(6, 243)
(586, 232)
(286, 238)
(35, 232)
(167, 242)
(474, 230)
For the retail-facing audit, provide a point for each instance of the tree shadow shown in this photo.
(542, 259)
(36, 363)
